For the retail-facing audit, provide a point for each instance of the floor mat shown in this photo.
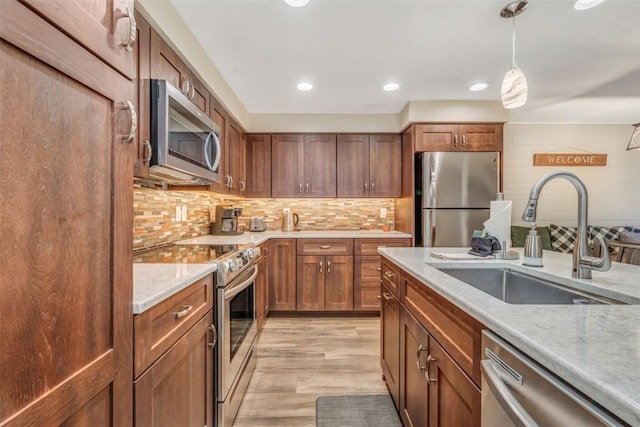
(356, 411)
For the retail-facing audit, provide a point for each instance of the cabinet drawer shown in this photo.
(389, 276)
(159, 327)
(325, 246)
(370, 246)
(457, 332)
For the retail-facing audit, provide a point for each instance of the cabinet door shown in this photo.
(320, 165)
(258, 165)
(287, 166)
(103, 26)
(311, 292)
(282, 275)
(65, 221)
(338, 283)
(265, 254)
(353, 165)
(235, 157)
(198, 93)
(178, 389)
(414, 385)
(165, 64)
(385, 165)
(436, 138)
(366, 283)
(390, 343)
(454, 400)
(141, 53)
(219, 117)
(261, 292)
(481, 137)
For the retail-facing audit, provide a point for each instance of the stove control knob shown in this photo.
(239, 262)
(226, 266)
(256, 251)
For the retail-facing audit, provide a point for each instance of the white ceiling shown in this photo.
(586, 61)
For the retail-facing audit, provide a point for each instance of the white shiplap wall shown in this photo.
(614, 190)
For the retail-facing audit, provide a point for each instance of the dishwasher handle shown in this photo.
(504, 396)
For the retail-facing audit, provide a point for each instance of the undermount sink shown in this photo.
(514, 287)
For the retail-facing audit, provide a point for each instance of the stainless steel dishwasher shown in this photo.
(516, 391)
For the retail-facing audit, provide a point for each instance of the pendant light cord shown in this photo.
(513, 45)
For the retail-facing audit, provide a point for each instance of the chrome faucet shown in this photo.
(583, 263)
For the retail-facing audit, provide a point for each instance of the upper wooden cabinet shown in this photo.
(458, 137)
(167, 65)
(368, 165)
(65, 261)
(235, 154)
(258, 165)
(303, 165)
(142, 51)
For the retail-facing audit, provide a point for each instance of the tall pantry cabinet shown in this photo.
(66, 169)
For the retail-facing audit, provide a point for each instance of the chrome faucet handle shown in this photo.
(597, 263)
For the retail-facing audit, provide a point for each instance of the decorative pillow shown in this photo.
(563, 239)
(630, 235)
(608, 233)
(519, 235)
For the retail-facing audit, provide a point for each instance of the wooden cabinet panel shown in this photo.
(282, 275)
(262, 286)
(258, 165)
(455, 330)
(436, 138)
(198, 93)
(353, 165)
(414, 385)
(141, 53)
(320, 165)
(165, 64)
(325, 247)
(159, 327)
(390, 342)
(287, 166)
(385, 166)
(390, 276)
(235, 158)
(93, 25)
(65, 258)
(370, 246)
(338, 293)
(454, 400)
(481, 137)
(366, 283)
(311, 278)
(178, 389)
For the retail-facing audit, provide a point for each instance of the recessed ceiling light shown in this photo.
(304, 86)
(391, 86)
(477, 87)
(586, 4)
(296, 3)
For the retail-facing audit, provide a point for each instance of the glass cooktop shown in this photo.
(190, 254)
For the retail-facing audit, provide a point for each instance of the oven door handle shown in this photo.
(236, 289)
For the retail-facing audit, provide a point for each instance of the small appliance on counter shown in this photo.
(289, 220)
(226, 222)
(257, 224)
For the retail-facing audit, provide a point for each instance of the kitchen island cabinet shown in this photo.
(389, 335)
(67, 170)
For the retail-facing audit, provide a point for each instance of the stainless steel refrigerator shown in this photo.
(454, 191)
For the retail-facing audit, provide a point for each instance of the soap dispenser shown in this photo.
(533, 248)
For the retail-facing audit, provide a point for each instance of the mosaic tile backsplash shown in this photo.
(154, 213)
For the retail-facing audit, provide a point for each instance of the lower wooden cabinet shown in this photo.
(325, 283)
(262, 286)
(414, 383)
(390, 342)
(178, 389)
(282, 275)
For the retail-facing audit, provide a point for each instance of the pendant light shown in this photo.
(514, 86)
(634, 142)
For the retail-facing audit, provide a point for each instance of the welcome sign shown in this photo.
(565, 159)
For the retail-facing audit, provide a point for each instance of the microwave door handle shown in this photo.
(207, 143)
(216, 161)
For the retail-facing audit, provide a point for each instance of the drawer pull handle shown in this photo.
(379, 269)
(214, 337)
(325, 246)
(421, 368)
(320, 263)
(185, 309)
(387, 296)
(378, 297)
(430, 359)
(328, 266)
(388, 274)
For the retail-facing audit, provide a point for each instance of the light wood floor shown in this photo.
(300, 359)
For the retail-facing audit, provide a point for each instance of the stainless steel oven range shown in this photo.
(237, 329)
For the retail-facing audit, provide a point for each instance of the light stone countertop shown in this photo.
(153, 283)
(595, 348)
(260, 237)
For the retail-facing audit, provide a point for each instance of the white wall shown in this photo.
(614, 190)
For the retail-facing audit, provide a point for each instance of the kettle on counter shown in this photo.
(289, 220)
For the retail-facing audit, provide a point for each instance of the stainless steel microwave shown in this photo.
(185, 142)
